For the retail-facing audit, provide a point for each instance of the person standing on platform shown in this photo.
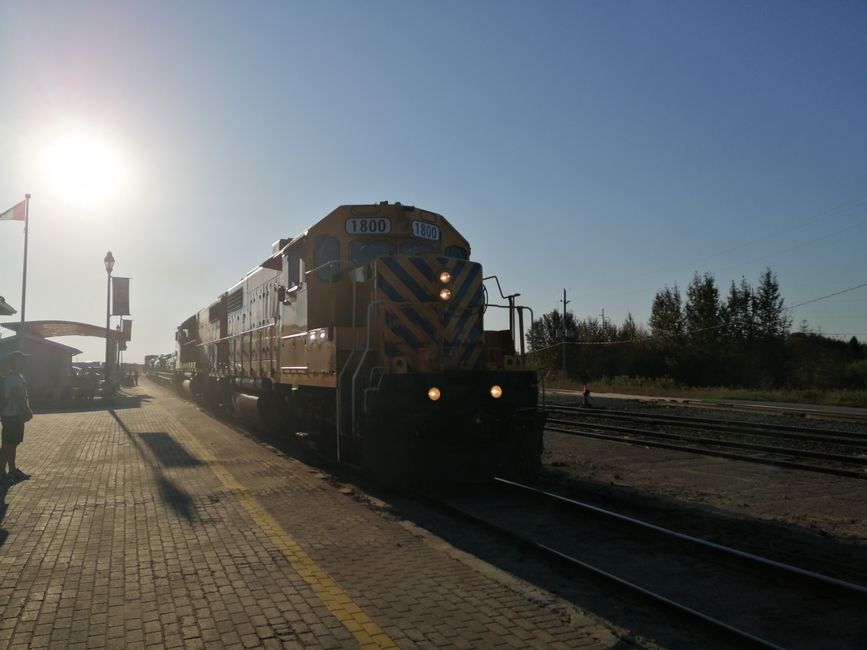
(16, 411)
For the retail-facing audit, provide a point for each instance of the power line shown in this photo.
(830, 295)
(768, 235)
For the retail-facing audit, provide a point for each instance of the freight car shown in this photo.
(365, 334)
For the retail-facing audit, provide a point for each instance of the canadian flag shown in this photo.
(15, 213)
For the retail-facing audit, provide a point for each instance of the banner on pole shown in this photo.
(125, 333)
(119, 296)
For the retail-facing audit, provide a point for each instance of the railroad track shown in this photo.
(722, 590)
(164, 378)
(749, 442)
(808, 412)
(779, 430)
(800, 411)
(528, 524)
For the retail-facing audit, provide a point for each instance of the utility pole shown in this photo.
(604, 329)
(565, 302)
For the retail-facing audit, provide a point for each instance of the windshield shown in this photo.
(364, 250)
(416, 248)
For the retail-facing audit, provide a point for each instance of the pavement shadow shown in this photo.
(176, 498)
(160, 446)
(120, 402)
(167, 450)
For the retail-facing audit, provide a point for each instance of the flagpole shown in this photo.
(24, 275)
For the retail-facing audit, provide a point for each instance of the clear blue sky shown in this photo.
(609, 148)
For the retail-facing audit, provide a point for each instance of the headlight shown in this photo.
(445, 277)
(434, 394)
(496, 392)
(445, 294)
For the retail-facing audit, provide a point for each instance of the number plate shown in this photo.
(368, 226)
(425, 230)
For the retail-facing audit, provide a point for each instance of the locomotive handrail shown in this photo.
(340, 401)
(344, 264)
(339, 404)
(363, 355)
(322, 266)
(500, 289)
(512, 308)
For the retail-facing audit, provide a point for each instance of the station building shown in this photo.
(48, 371)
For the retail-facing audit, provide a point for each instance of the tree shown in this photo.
(666, 314)
(547, 331)
(856, 349)
(630, 330)
(545, 339)
(702, 311)
(771, 320)
(737, 313)
(590, 330)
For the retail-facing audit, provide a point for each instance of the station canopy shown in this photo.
(5, 308)
(51, 328)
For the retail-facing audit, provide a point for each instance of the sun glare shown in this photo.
(83, 167)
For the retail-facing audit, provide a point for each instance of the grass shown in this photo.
(665, 387)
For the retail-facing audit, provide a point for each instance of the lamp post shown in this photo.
(109, 265)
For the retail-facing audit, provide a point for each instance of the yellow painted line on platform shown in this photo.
(366, 632)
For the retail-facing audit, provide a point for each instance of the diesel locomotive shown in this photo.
(365, 334)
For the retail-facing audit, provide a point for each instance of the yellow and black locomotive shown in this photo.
(366, 333)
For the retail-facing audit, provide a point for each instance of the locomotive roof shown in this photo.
(274, 261)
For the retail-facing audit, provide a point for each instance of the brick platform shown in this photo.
(153, 525)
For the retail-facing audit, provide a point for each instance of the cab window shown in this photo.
(416, 248)
(326, 259)
(364, 250)
(458, 252)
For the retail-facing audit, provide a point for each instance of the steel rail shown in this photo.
(780, 430)
(801, 453)
(743, 407)
(726, 551)
(718, 626)
(720, 454)
(782, 410)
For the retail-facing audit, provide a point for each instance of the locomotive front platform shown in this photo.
(151, 524)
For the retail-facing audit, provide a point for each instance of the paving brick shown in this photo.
(132, 533)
